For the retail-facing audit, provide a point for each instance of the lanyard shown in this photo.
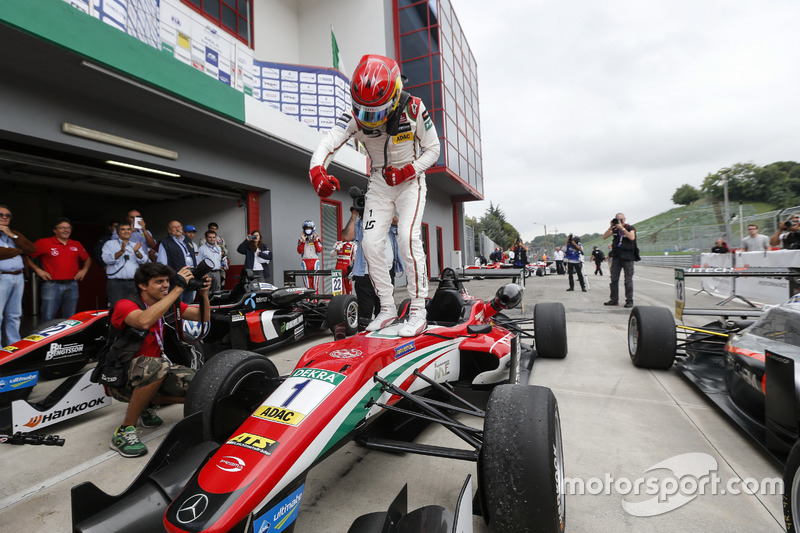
(159, 335)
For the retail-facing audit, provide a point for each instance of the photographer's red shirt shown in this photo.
(61, 261)
(150, 347)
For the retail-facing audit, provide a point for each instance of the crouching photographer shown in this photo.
(145, 362)
(788, 234)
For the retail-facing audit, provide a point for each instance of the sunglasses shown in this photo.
(6, 215)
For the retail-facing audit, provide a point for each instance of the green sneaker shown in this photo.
(149, 418)
(127, 443)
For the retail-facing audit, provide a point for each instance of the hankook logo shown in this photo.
(192, 508)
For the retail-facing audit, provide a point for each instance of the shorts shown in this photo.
(146, 370)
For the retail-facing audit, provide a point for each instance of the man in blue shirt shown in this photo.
(122, 257)
(209, 250)
(12, 283)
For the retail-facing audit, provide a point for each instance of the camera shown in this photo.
(359, 199)
(251, 237)
(199, 272)
(791, 223)
(614, 221)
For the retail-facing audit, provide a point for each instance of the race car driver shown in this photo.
(309, 246)
(402, 143)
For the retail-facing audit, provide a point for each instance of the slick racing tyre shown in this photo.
(651, 337)
(343, 313)
(227, 389)
(791, 489)
(550, 330)
(521, 464)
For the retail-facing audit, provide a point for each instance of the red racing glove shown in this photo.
(324, 184)
(395, 176)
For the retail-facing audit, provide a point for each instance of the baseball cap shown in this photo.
(189, 228)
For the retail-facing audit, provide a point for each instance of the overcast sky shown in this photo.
(592, 107)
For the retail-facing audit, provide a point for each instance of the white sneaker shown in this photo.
(387, 315)
(415, 324)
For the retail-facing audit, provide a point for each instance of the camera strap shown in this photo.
(125, 260)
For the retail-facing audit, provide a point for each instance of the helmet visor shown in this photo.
(373, 116)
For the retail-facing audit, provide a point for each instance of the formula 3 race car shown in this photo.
(747, 362)
(238, 462)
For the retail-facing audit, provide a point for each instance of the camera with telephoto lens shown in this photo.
(359, 199)
(614, 221)
(791, 223)
(199, 272)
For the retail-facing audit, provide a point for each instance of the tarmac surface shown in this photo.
(643, 450)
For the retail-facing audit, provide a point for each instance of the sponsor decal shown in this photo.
(322, 375)
(397, 139)
(346, 353)
(298, 333)
(10, 349)
(441, 369)
(237, 317)
(280, 517)
(33, 338)
(427, 121)
(62, 413)
(57, 350)
(400, 351)
(72, 323)
(257, 443)
(262, 299)
(18, 381)
(192, 508)
(230, 463)
(55, 328)
(278, 414)
(295, 322)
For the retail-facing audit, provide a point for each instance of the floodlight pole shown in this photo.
(727, 211)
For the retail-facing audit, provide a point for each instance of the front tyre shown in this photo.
(227, 389)
(521, 462)
(651, 337)
(791, 489)
(550, 330)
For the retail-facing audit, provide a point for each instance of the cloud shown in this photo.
(588, 108)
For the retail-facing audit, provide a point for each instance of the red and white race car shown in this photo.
(238, 462)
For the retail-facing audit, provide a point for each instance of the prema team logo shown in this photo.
(229, 463)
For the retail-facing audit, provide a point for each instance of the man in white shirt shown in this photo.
(754, 242)
(122, 257)
(209, 250)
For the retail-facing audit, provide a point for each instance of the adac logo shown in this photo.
(278, 414)
(191, 509)
(409, 136)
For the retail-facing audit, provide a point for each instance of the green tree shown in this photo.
(685, 195)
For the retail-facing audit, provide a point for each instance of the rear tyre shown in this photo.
(343, 312)
(521, 462)
(651, 337)
(791, 489)
(227, 389)
(550, 330)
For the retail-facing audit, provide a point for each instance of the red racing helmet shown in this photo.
(375, 87)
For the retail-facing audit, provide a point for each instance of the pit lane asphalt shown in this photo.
(617, 421)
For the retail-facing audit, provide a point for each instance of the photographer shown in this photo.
(573, 255)
(150, 378)
(623, 254)
(256, 255)
(788, 234)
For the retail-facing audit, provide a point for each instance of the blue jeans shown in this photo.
(11, 288)
(55, 295)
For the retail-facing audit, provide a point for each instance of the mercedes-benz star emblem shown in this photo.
(191, 509)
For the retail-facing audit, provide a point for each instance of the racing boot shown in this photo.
(415, 324)
(127, 443)
(387, 315)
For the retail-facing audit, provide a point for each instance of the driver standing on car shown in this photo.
(402, 144)
(152, 379)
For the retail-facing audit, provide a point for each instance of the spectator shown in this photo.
(213, 226)
(558, 256)
(574, 258)
(598, 257)
(754, 242)
(121, 259)
(401, 140)
(13, 245)
(151, 378)
(141, 234)
(393, 258)
(309, 246)
(211, 251)
(623, 254)
(520, 254)
(256, 255)
(64, 263)
(721, 247)
(174, 252)
(788, 234)
(97, 251)
(496, 256)
(189, 233)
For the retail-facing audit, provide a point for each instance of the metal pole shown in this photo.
(727, 211)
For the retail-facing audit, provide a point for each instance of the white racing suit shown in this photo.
(414, 140)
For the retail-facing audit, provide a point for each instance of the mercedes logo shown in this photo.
(191, 509)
